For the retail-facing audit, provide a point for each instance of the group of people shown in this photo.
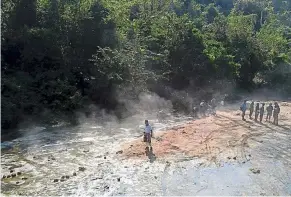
(260, 110)
(204, 106)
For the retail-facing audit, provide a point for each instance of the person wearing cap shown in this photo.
(148, 132)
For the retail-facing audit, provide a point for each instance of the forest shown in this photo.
(60, 56)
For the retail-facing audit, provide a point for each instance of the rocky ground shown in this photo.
(216, 155)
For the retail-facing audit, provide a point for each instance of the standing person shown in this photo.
(148, 132)
(203, 108)
(195, 112)
(262, 110)
(276, 113)
(213, 106)
(243, 108)
(269, 112)
(252, 107)
(257, 111)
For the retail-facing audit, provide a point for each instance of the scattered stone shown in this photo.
(74, 174)
(52, 158)
(249, 155)
(82, 169)
(18, 173)
(85, 151)
(24, 178)
(125, 166)
(255, 171)
(228, 158)
(104, 157)
(119, 152)
(156, 177)
(17, 182)
(62, 180)
(67, 176)
(13, 175)
(234, 158)
(106, 187)
(118, 179)
(11, 171)
(34, 157)
(56, 180)
(4, 177)
(8, 176)
(243, 162)
(63, 177)
(131, 146)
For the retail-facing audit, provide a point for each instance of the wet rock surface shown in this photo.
(174, 166)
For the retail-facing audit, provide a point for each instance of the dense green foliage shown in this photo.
(60, 56)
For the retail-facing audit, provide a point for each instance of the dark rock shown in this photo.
(106, 187)
(82, 169)
(228, 158)
(24, 178)
(74, 174)
(63, 177)
(250, 155)
(13, 175)
(52, 158)
(56, 180)
(4, 177)
(118, 179)
(18, 173)
(85, 151)
(34, 157)
(156, 177)
(8, 176)
(104, 157)
(62, 180)
(119, 152)
(17, 182)
(255, 171)
(67, 176)
(234, 158)
(11, 171)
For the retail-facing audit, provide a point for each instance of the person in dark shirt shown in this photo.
(257, 111)
(269, 112)
(276, 113)
(252, 107)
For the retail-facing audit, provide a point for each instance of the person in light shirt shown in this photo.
(148, 131)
